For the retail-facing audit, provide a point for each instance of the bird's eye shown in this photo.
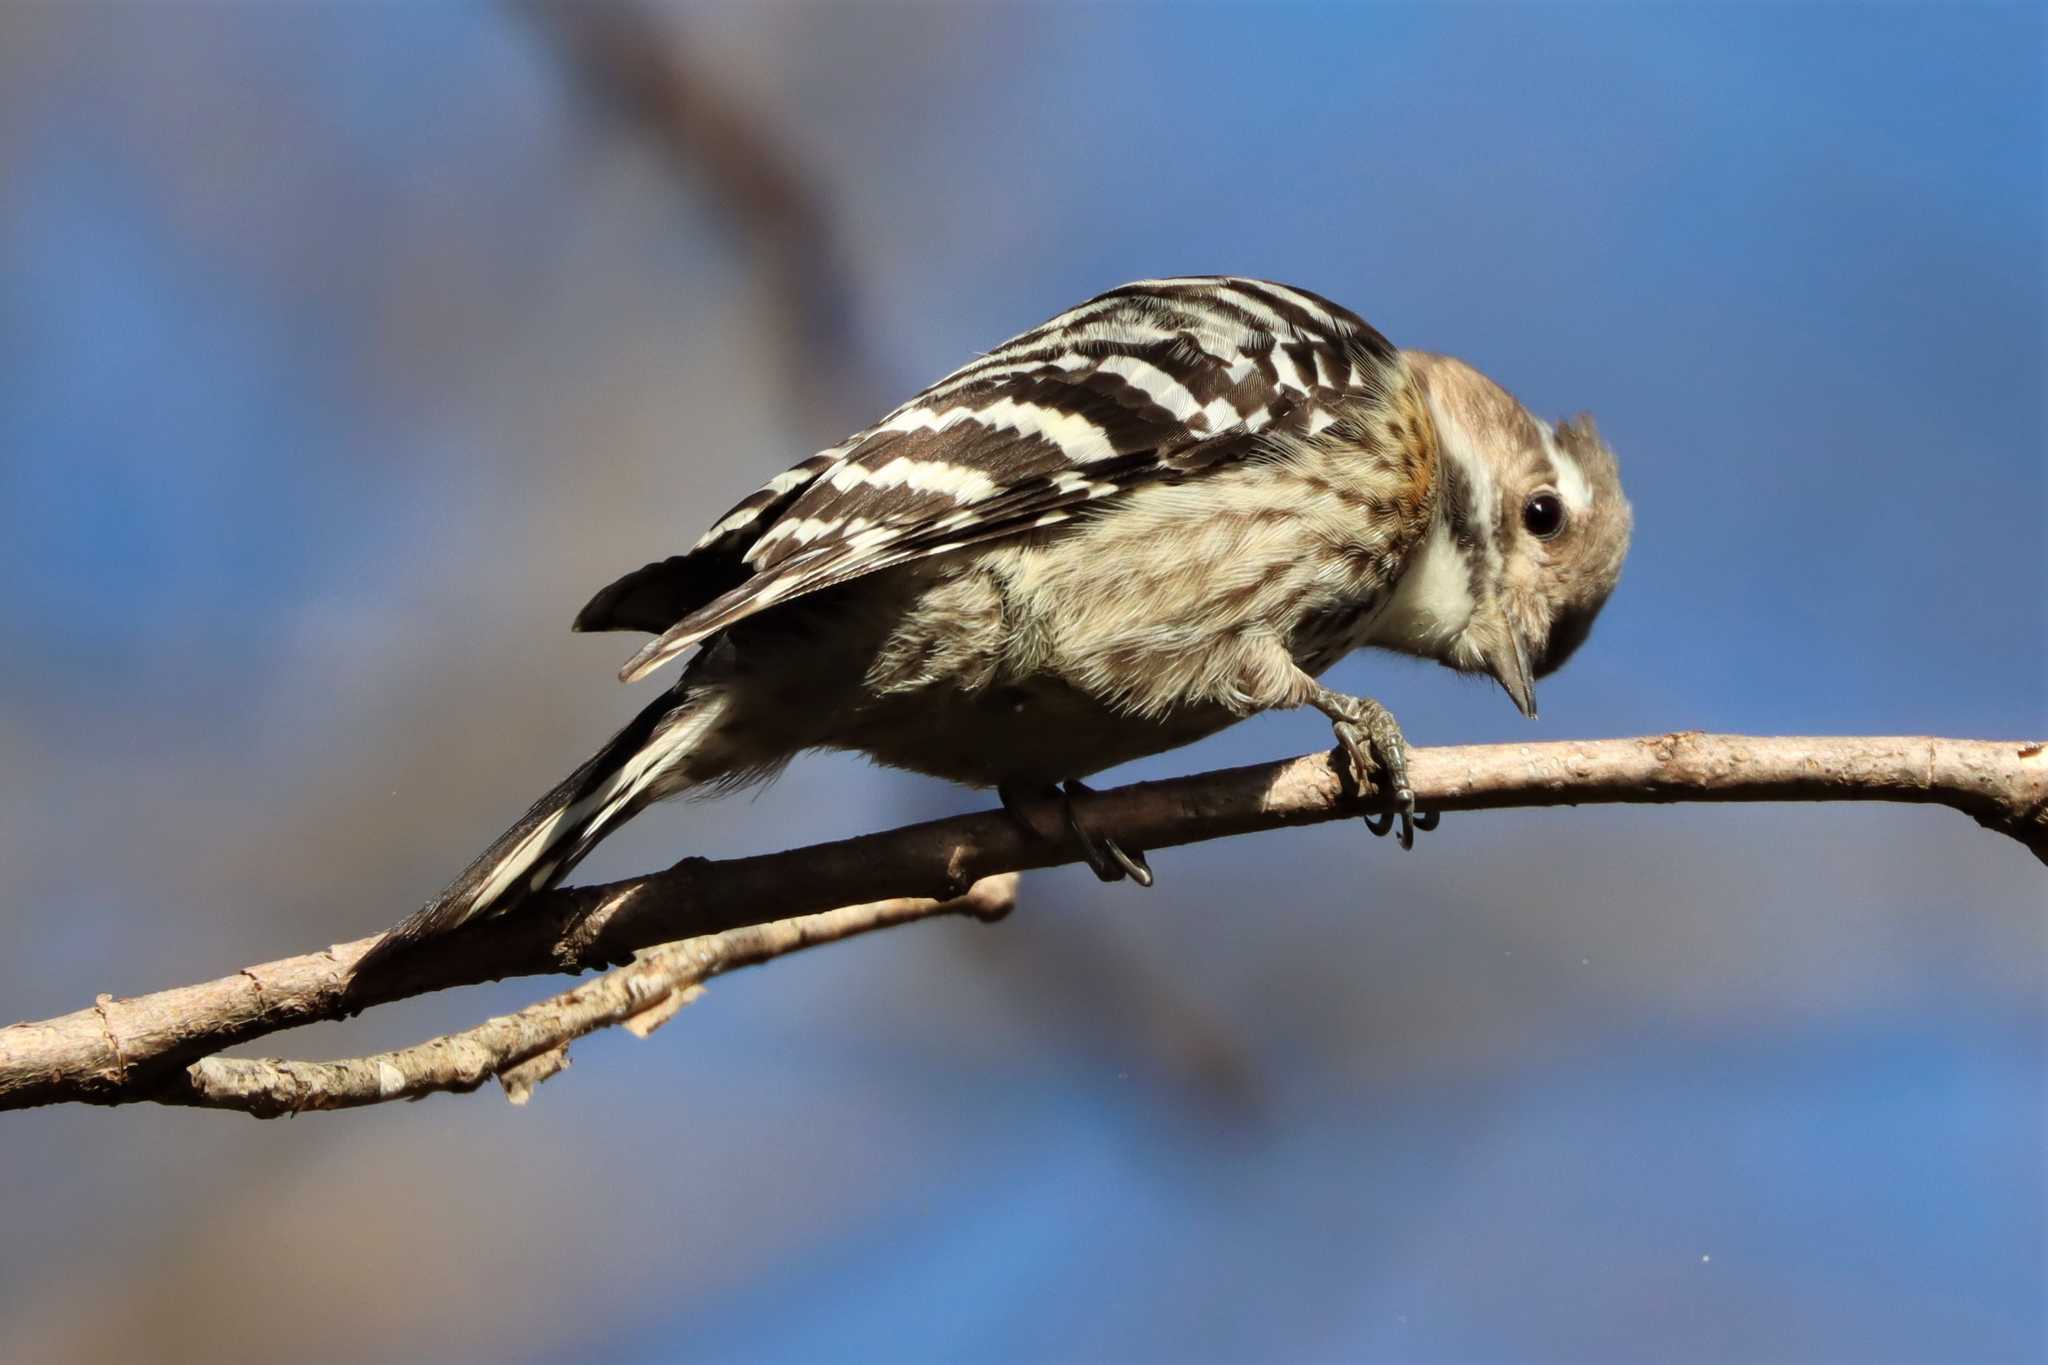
(1543, 515)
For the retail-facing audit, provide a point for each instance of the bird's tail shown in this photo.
(666, 748)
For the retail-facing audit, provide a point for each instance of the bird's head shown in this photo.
(1534, 515)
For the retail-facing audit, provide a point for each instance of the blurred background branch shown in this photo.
(649, 76)
(121, 1052)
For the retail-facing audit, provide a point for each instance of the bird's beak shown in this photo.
(1509, 664)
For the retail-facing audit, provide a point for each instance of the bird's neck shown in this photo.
(1444, 586)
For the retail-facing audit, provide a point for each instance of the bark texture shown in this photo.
(718, 915)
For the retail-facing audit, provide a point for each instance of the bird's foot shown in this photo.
(1378, 754)
(1106, 858)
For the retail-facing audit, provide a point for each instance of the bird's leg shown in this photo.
(1106, 858)
(1373, 743)
(1121, 862)
(1016, 796)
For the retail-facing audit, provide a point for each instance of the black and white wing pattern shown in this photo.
(1161, 379)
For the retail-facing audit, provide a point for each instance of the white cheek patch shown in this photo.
(1431, 604)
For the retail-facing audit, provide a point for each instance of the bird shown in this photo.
(1166, 509)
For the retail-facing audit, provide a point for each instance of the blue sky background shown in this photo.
(350, 347)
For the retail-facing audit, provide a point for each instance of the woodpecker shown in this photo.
(1164, 510)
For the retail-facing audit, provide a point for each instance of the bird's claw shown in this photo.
(1107, 859)
(1373, 744)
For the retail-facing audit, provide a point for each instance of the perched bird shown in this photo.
(1156, 514)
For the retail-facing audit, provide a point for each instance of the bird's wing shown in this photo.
(1163, 379)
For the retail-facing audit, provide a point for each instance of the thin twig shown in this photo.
(525, 1048)
(119, 1051)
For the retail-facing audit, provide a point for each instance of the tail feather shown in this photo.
(647, 760)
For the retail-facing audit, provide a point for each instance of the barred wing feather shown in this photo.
(1159, 380)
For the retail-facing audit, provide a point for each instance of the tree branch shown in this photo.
(523, 1049)
(157, 1047)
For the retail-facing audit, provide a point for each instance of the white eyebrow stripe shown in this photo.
(1572, 484)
